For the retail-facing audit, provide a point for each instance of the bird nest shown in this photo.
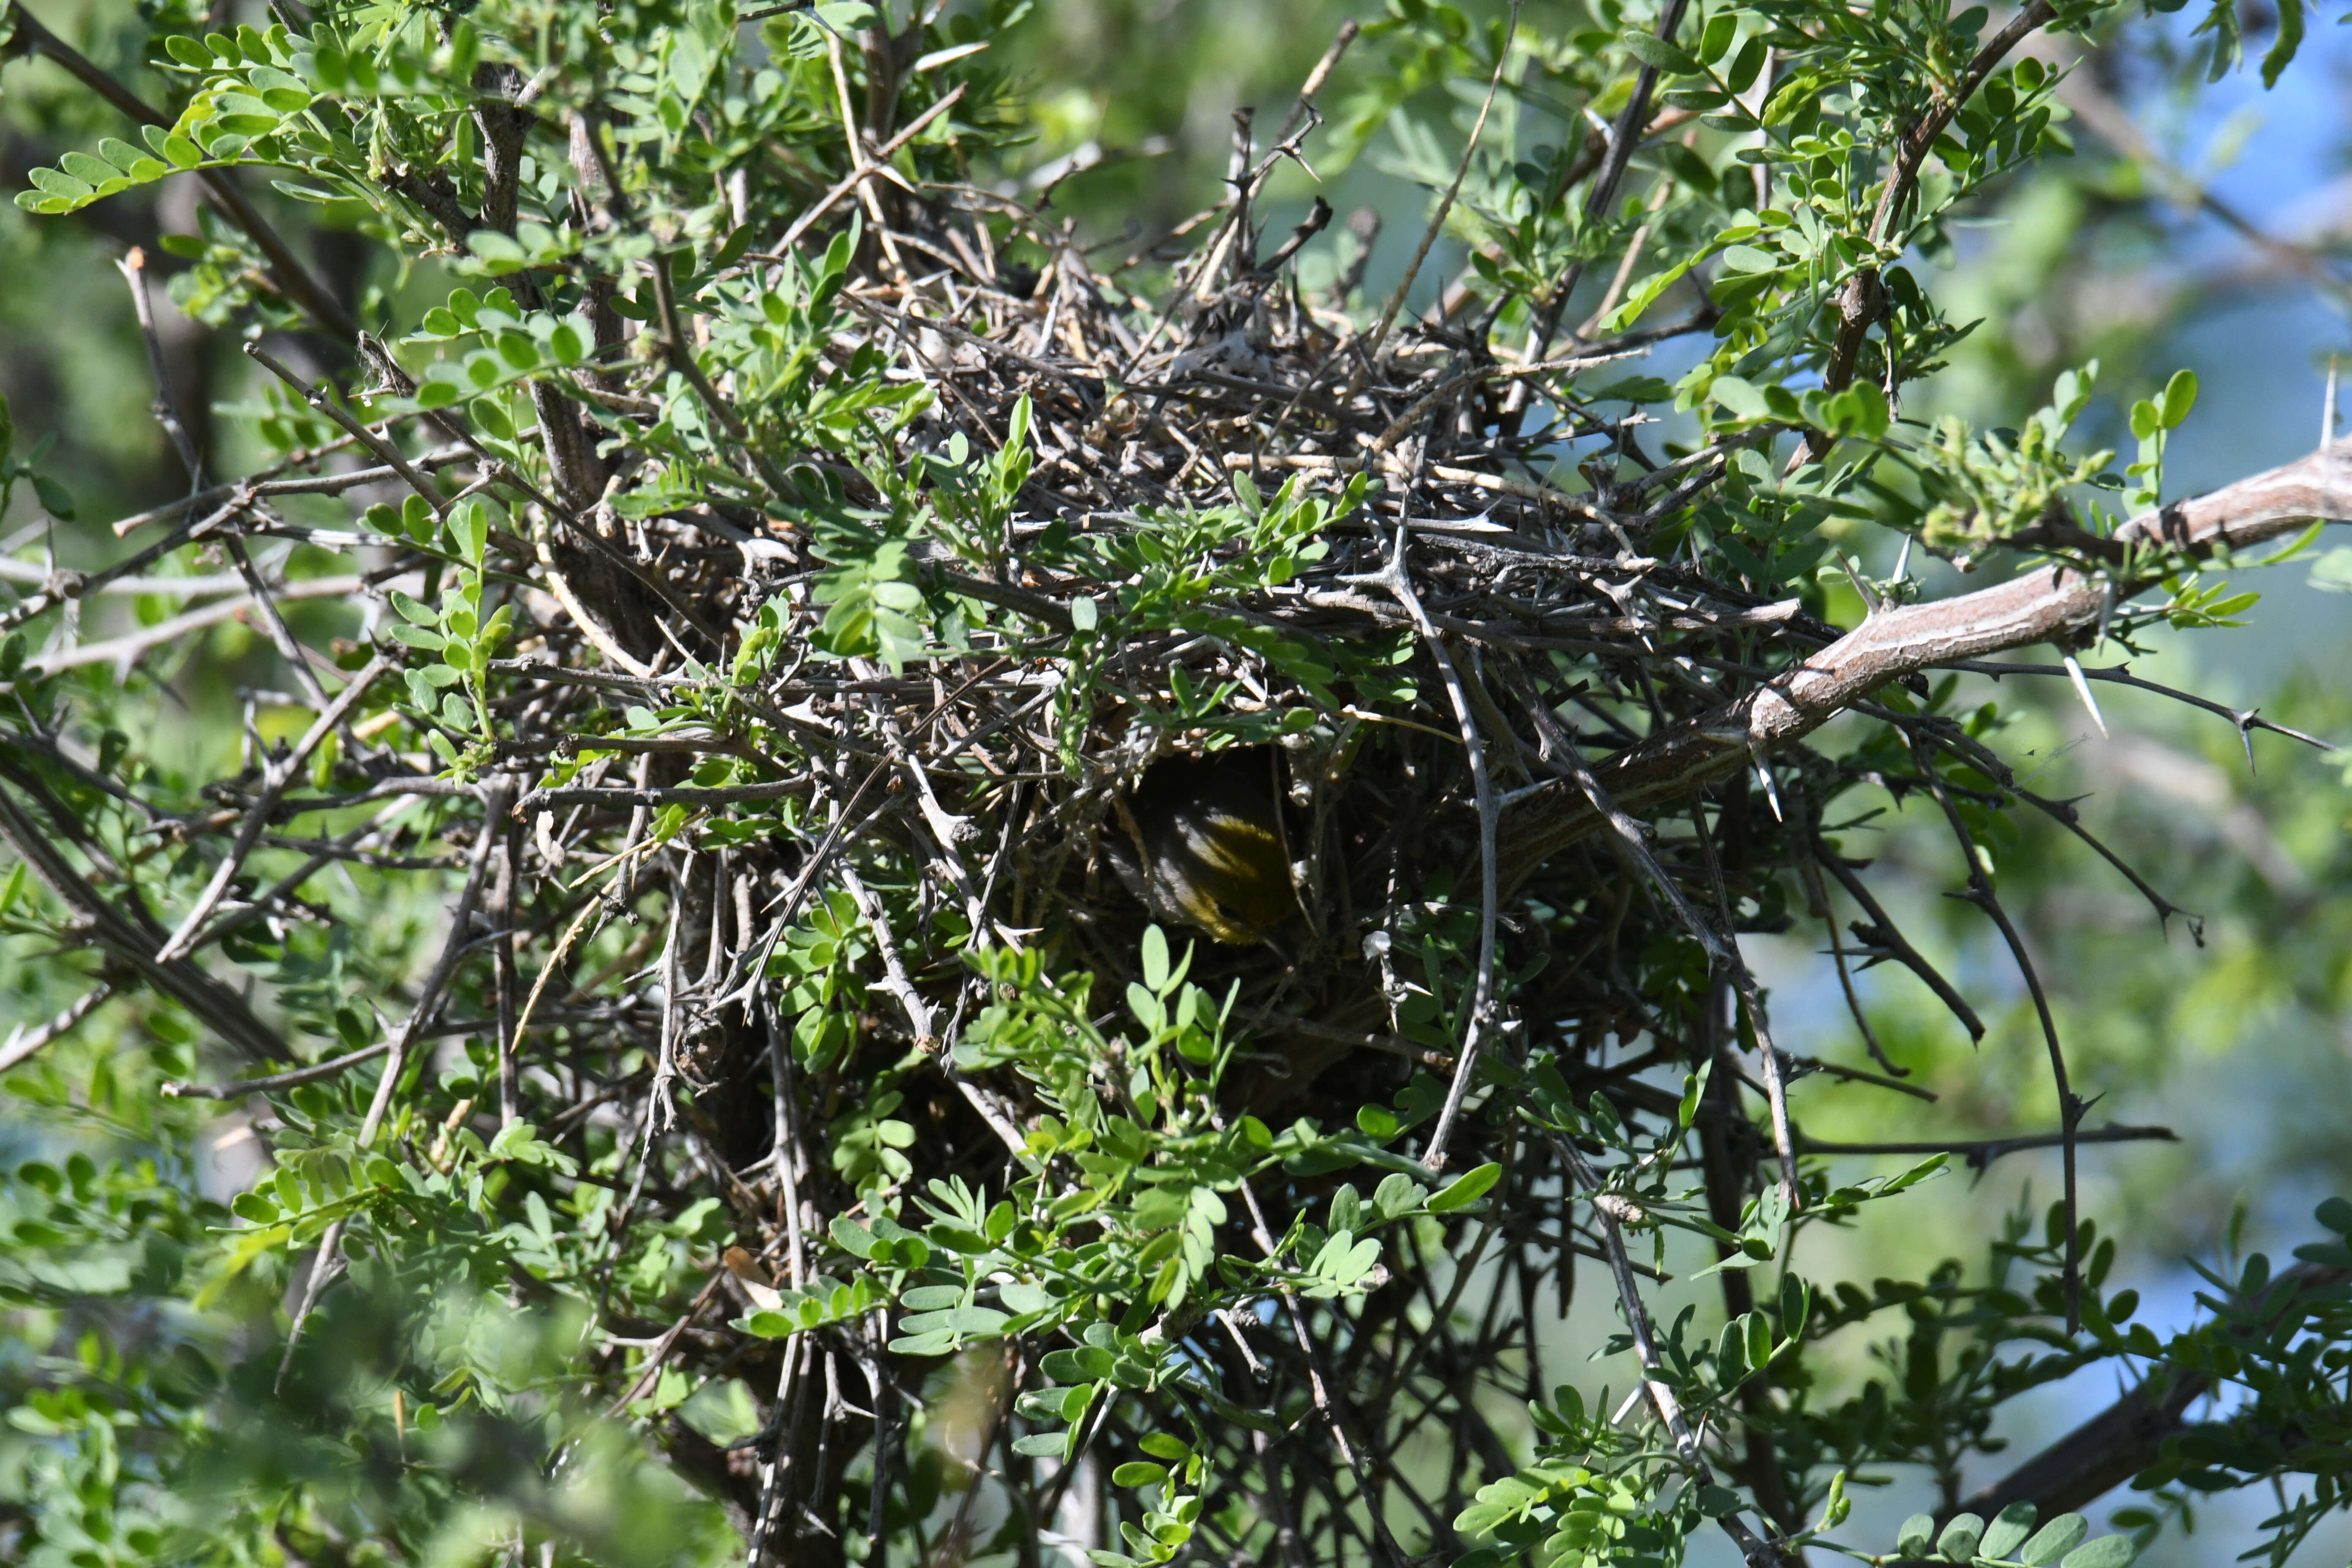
(1243, 594)
(1077, 612)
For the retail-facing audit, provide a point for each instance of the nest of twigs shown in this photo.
(1447, 631)
(1001, 781)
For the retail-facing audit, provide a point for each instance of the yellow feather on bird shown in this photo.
(1208, 846)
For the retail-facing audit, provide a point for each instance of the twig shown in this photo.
(279, 774)
(1756, 1551)
(22, 1044)
(1982, 1151)
(865, 170)
(220, 1009)
(1624, 135)
(1379, 335)
(1685, 757)
(328, 1259)
(1396, 578)
(379, 446)
(918, 1018)
(2245, 719)
(2070, 1108)
(275, 1083)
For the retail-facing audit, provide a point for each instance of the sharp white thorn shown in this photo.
(2328, 409)
(1771, 793)
(2082, 690)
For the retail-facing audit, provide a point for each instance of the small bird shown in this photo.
(1211, 844)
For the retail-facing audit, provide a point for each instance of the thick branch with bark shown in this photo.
(2049, 603)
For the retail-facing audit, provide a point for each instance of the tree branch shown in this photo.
(2129, 1435)
(2049, 603)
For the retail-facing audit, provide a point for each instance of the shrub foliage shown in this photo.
(713, 946)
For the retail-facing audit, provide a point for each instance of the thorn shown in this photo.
(2328, 409)
(1764, 776)
(1869, 599)
(1903, 560)
(2246, 733)
(2082, 690)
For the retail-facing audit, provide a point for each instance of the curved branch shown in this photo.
(2052, 603)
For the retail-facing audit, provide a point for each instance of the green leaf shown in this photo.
(1746, 64)
(1958, 1541)
(82, 166)
(2008, 1531)
(1912, 1539)
(498, 249)
(2055, 1539)
(1745, 399)
(56, 499)
(2179, 397)
(1646, 295)
(957, 1320)
(59, 184)
(470, 526)
(1654, 51)
(1139, 1473)
(931, 1298)
(1397, 1193)
(1086, 1364)
(2105, 1552)
(127, 158)
(1721, 29)
(1466, 1189)
(1344, 1260)
(2289, 39)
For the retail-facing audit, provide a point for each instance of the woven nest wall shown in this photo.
(1126, 642)
(1254, 564)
